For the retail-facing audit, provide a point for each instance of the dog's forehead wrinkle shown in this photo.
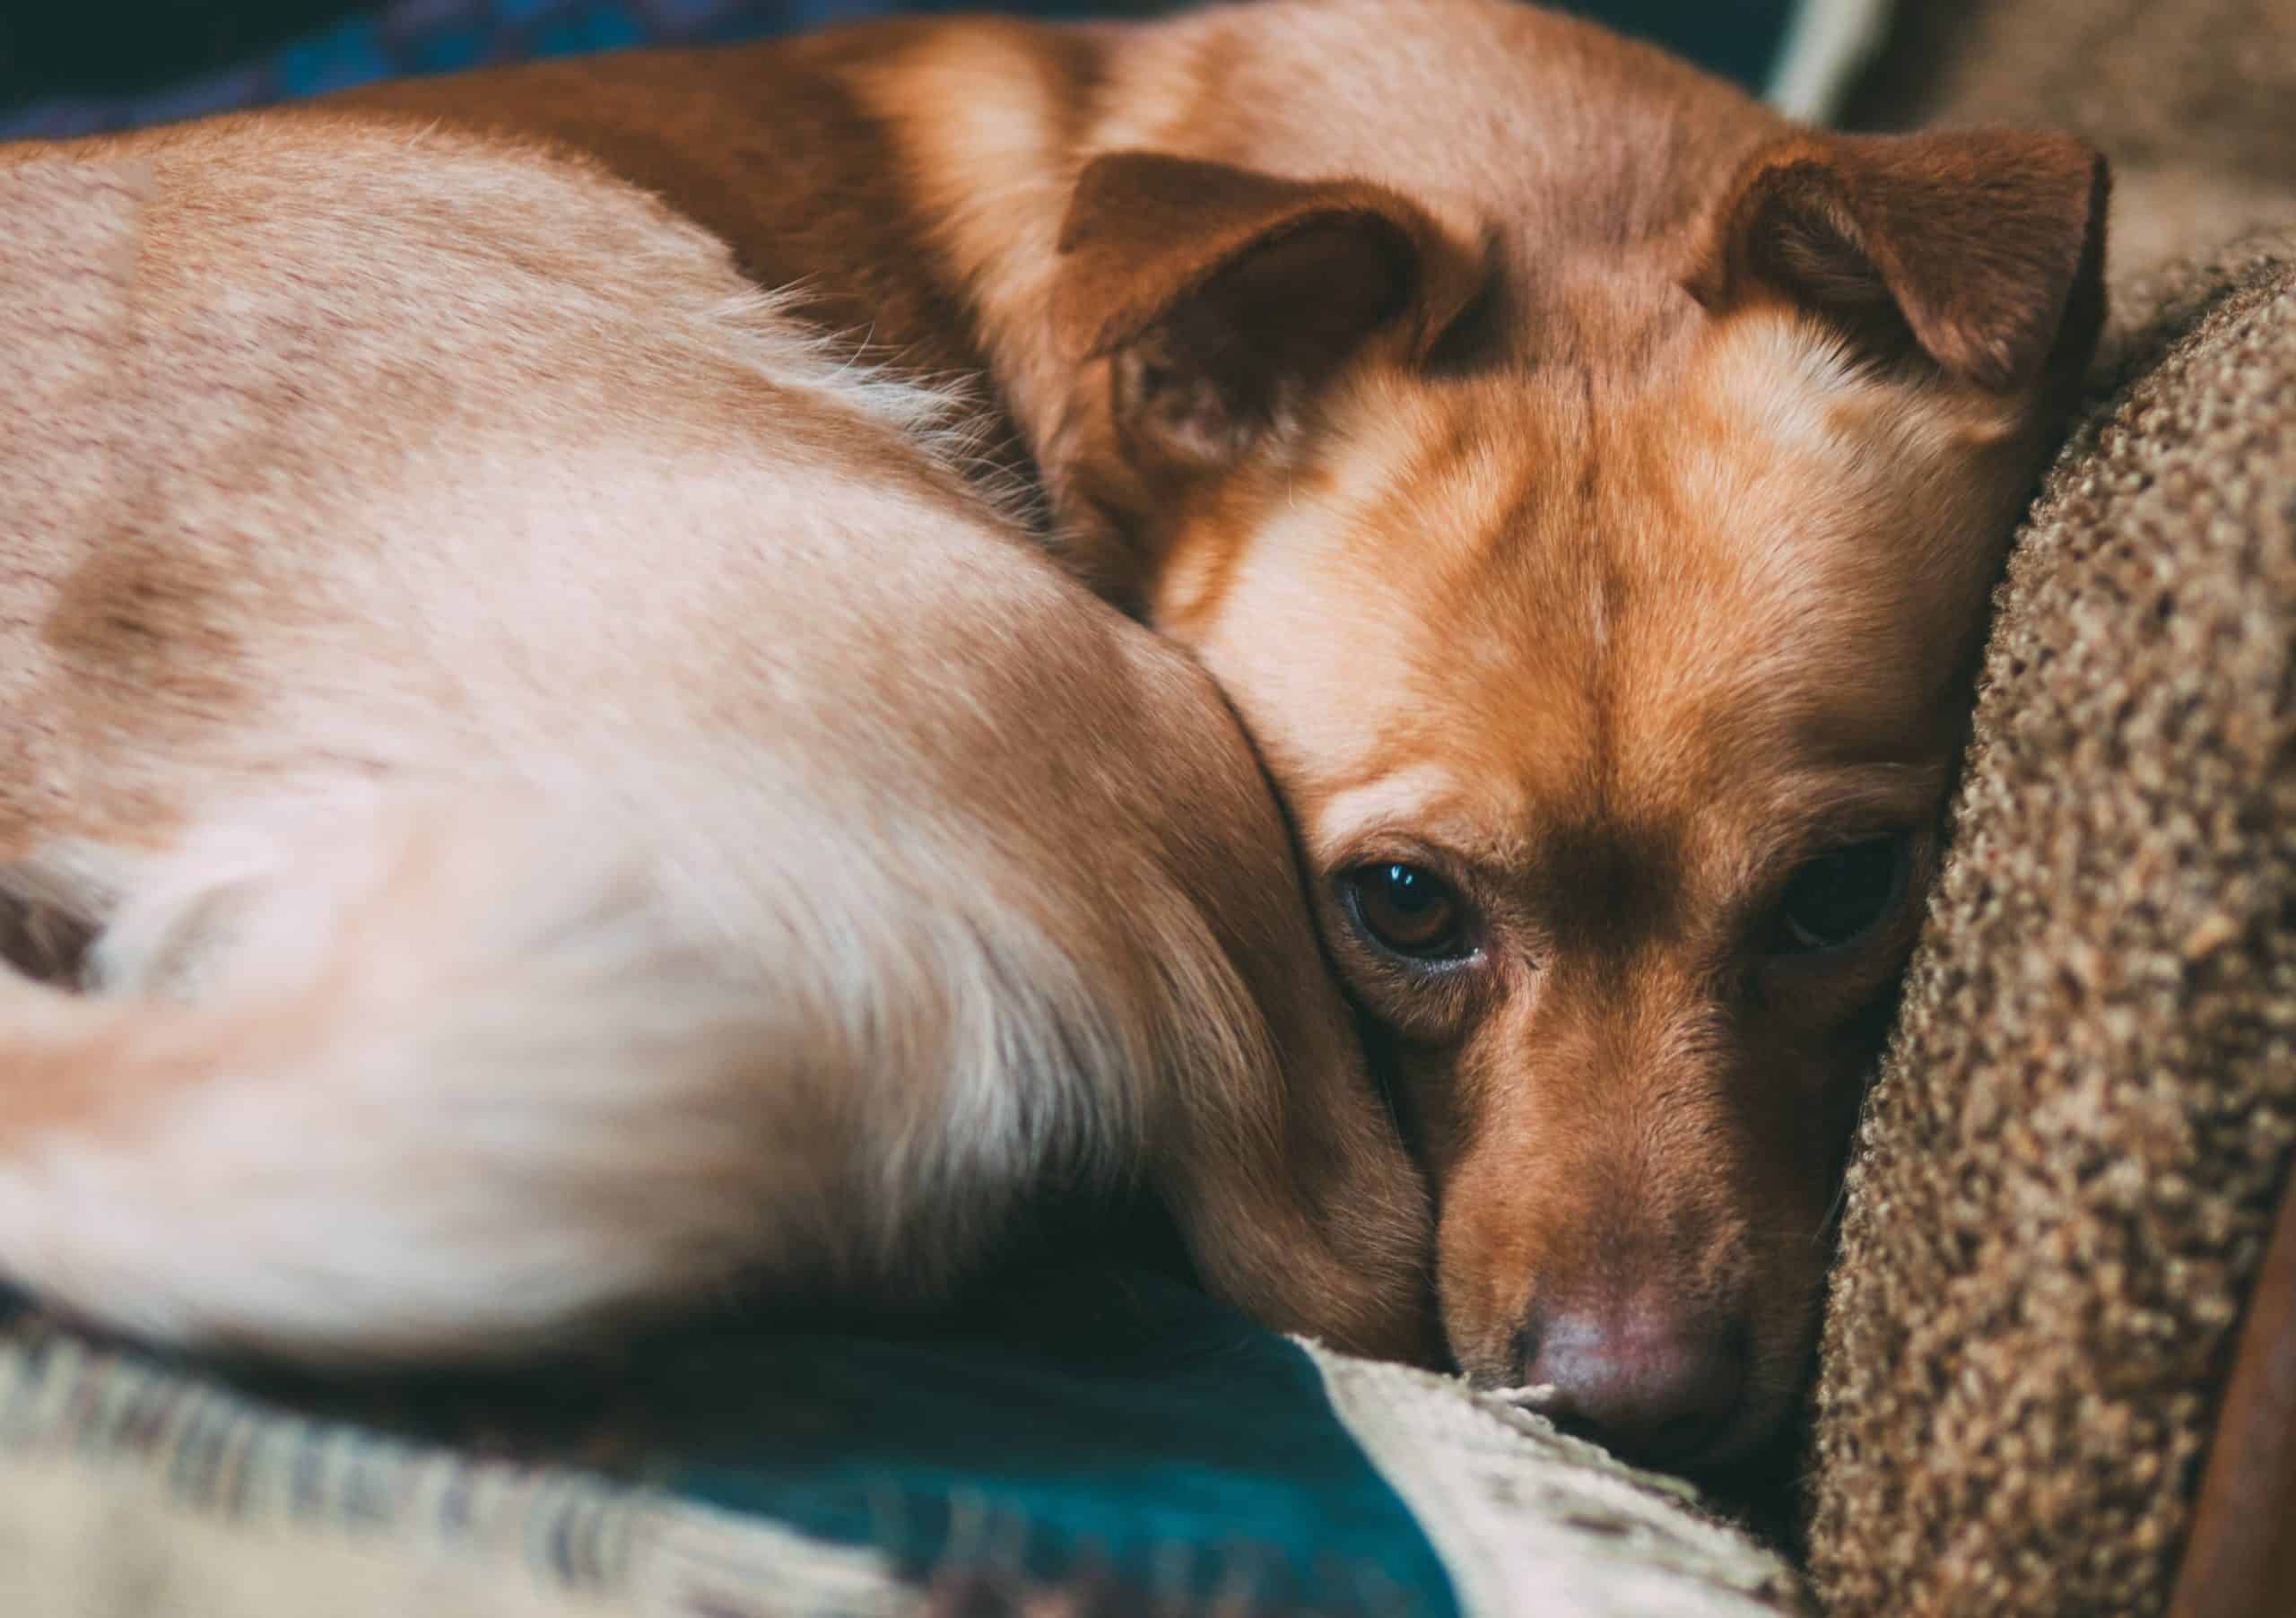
(1615, 316)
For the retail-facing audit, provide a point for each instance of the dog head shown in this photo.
(1606, 616)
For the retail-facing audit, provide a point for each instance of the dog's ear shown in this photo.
(1222, 296)
(1981, 249)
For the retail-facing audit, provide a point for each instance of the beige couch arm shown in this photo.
(2070, 1164)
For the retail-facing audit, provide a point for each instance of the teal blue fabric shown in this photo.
(1123, 1422)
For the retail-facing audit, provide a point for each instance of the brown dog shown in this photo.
(1586, 485)
(578, 805)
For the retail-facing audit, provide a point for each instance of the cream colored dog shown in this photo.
(561, 800)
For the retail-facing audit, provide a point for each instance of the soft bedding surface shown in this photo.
(1115, 1435)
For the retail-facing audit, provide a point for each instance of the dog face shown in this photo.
(1610, 642)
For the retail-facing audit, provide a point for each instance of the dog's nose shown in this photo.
(1653, 1382)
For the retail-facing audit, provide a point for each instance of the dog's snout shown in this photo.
(1649, 1379)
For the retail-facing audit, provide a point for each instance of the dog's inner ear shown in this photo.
(1981, 251)
(1222, 297)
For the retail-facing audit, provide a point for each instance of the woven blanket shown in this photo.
(1118, 1441)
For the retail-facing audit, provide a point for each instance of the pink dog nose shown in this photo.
(1648, 1382)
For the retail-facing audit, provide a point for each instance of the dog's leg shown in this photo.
(455, 1081)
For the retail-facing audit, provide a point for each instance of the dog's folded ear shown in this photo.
(1981, 249)
(1222, 296)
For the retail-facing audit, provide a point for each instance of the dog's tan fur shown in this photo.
(577, 803)
(1585, 484)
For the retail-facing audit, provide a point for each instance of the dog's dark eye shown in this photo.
(1840, 895)
(1408, 910)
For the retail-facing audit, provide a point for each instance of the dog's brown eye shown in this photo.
(1840, 896)
(1408, 910)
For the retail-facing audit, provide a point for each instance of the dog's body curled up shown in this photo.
(1585, 486)
(576, 801)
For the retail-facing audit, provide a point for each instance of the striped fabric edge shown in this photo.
(582, 1546)
(1532, 1524)
(1828, 44)
(93, 1540)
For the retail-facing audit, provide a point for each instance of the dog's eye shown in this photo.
(1408, 910)
(1840, 895)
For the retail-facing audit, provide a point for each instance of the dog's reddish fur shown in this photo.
(1585, 484)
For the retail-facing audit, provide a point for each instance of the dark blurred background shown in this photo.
(83, 65)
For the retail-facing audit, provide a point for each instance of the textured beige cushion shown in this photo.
(2067, 1168)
